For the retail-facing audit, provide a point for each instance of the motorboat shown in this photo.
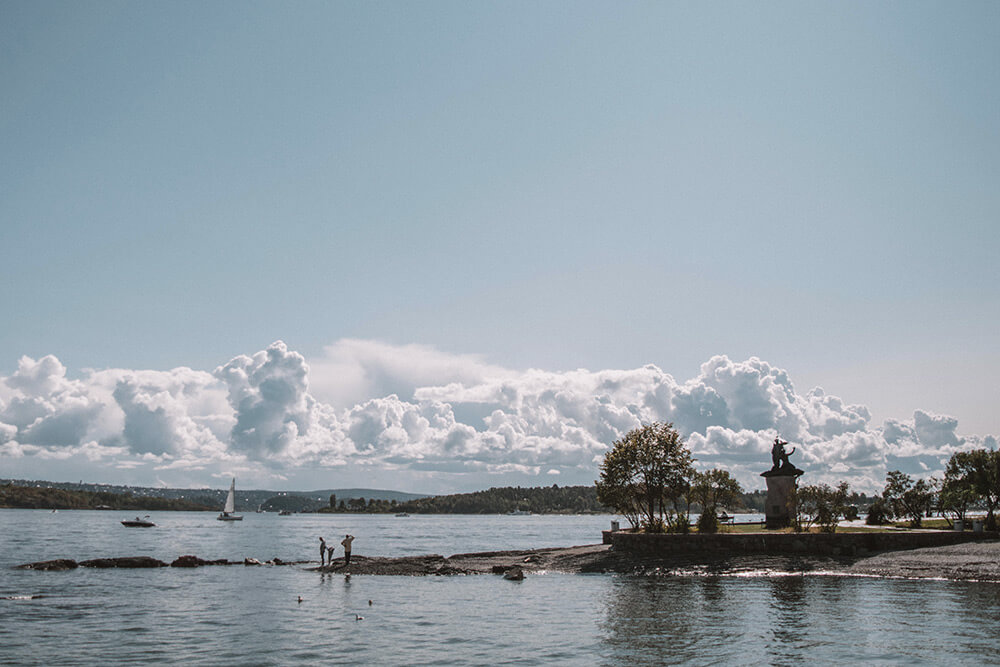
(403, 514)
(230, 507)
(285, 513)
(138, 523)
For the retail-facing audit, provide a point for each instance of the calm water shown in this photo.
(239, 615)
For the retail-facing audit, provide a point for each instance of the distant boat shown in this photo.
(402, 514)
(519, 513)
(284, 513)
(230, 508)
(138, 523)
(260, 509)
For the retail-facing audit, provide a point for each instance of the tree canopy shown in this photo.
(906, 498)
(713, 489)
(645, 476)
(821, 504)
(972, 478)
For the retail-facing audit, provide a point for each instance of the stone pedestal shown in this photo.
(780, 503)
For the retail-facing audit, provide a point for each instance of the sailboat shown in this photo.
(230, 508)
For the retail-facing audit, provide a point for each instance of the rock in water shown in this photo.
(194, 561)
(50, 565)
(127, 561)
(514, 574)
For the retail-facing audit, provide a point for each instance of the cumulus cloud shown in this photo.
(351, 371)
(413, 408)
(268, 391)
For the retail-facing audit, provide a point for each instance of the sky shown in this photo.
(443, 246)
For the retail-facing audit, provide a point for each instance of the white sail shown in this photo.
(231, 499)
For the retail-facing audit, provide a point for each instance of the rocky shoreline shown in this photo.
(978, 561)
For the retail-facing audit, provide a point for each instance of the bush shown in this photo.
(654, 525)
(708, 523)
(877, 513)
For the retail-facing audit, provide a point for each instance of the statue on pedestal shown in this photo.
(781, 482)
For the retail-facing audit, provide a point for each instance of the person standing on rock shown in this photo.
(347, 548)
(322, 552)
(329, 555)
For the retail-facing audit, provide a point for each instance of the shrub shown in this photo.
(708, 522)
(877, 513)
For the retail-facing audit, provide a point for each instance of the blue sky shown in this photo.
(547, 186)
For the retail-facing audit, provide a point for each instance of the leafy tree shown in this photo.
(878, 513)
(645, 476)
(712, 489)
(959, 489)
(333, 501)
(906, 498)
(821, 504)
(970, 478)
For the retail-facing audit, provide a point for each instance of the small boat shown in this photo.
(519, 513)
(230, 508)
(138, 523)
(403, 514)
(284, 513)
(260, 509)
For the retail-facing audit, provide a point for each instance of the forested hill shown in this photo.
(32, 497)
(537, 500)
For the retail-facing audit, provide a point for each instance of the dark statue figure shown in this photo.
(779, 457)
(782, 479)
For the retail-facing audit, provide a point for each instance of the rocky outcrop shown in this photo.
(50, 565)
(194, 561)
(514, 574)
(971, 561)
(126, 562)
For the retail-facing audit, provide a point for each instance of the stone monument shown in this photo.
(781, 481)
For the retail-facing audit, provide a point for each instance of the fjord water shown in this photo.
(250, 615)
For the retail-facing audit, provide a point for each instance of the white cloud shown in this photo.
(412, 408)
(269, 395)
(351, 371)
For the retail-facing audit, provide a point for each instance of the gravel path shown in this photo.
(978, 561)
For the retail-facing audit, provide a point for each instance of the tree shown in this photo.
(333, 501)
(878, 512)
(711, 489)
(972, 477)
(821, 504)
(906, 498)
(645, 475)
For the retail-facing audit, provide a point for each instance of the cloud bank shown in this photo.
(365, 406)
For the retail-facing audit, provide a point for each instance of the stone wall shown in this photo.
(823, 544)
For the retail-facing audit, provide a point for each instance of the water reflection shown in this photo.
(657, 620)
(784, 620)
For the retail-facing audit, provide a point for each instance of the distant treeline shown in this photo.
(754, 501)
(31, 497)
(537, 500)
(553, 499)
